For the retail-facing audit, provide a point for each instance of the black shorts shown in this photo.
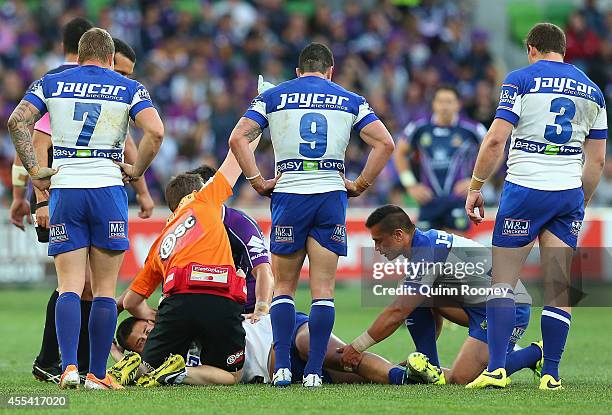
(214, 322)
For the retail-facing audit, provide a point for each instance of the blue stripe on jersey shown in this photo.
(69, 153)
(37, 102)
(365, 121)
(507, 115)
(257, 117)
(598, 134)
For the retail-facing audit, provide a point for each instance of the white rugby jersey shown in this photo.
(553, 106)
(310, 120)
(89, 108)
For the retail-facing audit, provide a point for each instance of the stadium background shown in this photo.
(200, 60)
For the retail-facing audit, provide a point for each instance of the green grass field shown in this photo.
(585, 370)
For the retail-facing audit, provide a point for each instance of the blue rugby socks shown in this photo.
(524, 358)
(67, 326)
(102, 323)
(501, 318)
(320, 325)
(422, 328)
(555, 324)
(282, 316)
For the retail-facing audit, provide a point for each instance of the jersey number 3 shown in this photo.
(93, 113)
(565, 110)
(313, 130)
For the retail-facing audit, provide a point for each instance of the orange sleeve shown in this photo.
(216, 190)
(149, 277)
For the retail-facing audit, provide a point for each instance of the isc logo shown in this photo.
(116, 230)
(169, 242)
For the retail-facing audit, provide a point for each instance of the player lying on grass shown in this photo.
(395, 235)
(259, 359)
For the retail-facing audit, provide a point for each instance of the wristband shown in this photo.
(362, 184)
(254, 177)
(19, 175)
(476, 183)
(262, 306)
(363, 342)
(407, 179)
(42, 204)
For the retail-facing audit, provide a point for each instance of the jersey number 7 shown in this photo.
(93, 113)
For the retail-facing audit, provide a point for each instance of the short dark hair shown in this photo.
(181, 186)
(546, 38)
(124, 49)
(72, 32)
(390, 217)
(124, 330)
(446, 87)
(315, 57)
(204, 171)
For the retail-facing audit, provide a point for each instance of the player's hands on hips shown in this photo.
(350, 358)
(475, 201)
(264, 187)
(420, 193)
(41, 178)
(128, 172)
(145, 201)
(19, 209)
(42, 216)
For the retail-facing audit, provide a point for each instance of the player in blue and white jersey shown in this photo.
(435, 260)
(89, 108)
(434, 159)
(310, 120)
(557, 118)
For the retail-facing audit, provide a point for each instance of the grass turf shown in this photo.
(585, 370)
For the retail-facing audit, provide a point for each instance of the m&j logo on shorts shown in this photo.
(339, 234)
(516, 227)
(576, 226)
(57, 233)
(116, 230)
(283, 234)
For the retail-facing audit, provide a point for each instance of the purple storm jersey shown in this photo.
(248, 248)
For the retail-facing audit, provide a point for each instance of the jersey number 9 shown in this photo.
(93, 113)
(565, 110)
(313, 130)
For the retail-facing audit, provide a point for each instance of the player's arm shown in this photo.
(376, 135)
(20, 207)
(230, 167)
(140, 186)
(594, 161)
(264, 286)
(245, 132)
(148, 120)
(19, 125)
(42, 142)
(136, 304)
(387, 322)
(421, 194)
(491, 151)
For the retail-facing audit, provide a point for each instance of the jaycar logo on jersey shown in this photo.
(169, 242)
(576, 226)
(508, 95)
(516, 227)
(312, 100)
(58, 233)
(116, 230)
(81, 89)
(562, 85)
(339, 234)
(283, 234)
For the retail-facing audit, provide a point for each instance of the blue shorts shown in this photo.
(445, 212)
(296, 217)
(297, 364)
(523, 213)
(478, 323)
(88, 217)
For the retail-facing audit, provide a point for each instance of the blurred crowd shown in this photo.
(201, 63)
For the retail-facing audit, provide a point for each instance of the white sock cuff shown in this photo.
(282, 301)
(552, 314)
(325, 303)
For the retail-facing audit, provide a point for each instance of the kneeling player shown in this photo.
(395, 235)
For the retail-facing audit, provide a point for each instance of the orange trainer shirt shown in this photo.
(193, 233)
